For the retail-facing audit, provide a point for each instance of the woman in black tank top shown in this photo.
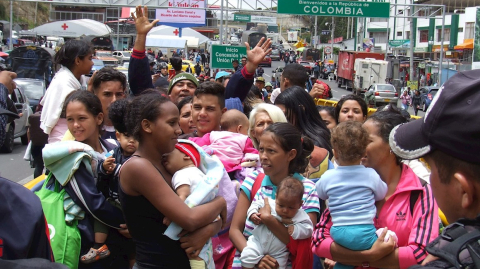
(145, 189)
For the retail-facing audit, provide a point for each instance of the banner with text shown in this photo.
(222, 56)
(263, 19)
(334, 8)
(178, 15)
(187, 3)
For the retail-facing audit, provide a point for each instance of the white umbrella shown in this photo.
(187, 33)
(73, 28)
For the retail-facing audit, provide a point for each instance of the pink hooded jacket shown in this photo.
(414, 232)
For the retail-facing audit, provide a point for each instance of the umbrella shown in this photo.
(3, 54)
(301, 49)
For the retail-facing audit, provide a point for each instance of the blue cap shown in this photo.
(221, 74)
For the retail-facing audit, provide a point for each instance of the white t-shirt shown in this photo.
(189, 176)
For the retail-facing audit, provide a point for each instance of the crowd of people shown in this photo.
(214, 174)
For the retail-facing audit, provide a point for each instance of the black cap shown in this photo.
(451, 123)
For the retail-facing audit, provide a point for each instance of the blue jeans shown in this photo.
(404, 106)
(354, 237)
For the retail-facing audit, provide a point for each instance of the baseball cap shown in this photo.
(450, 123)
(221, 74)
(182, 76)
(268, 84)
(190, 151)
(260, 79)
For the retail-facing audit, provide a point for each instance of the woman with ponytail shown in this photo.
(75, 59)
(283, 152)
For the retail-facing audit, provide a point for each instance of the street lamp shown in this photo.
(430, 46)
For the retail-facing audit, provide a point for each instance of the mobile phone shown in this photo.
(171, 73)
(110, 153)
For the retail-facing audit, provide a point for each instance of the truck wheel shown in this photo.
(339, 83)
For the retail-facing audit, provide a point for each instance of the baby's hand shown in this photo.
(255, 218)
(166, 221)
(290, 229)
(109, 165)
(287, 221)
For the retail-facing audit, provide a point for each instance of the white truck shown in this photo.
(367, 72)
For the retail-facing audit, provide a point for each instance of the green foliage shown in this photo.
(3, 12)
(476, 45)
(336, 50)
(306, 37)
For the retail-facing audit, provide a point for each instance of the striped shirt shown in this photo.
(310, 199)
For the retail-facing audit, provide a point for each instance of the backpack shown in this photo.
(256, 185)
(415, 194)
(457, 246)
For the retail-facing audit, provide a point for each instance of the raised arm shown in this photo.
(140, 177)
(139, 77)
(241, 82)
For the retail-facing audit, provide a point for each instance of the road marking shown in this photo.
(26, 180)
(266, 75)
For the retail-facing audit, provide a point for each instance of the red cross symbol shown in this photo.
(176, 32)
(64, 26)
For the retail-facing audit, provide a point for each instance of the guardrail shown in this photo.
(325, 102)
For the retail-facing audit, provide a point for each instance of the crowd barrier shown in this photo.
(324, 102)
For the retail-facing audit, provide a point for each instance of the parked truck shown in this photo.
(346, 66)
(367, 72)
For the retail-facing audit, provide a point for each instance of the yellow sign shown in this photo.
(412, 84)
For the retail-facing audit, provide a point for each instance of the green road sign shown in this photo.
(241, 17)
(398, 42)
(334, 8)
(222, 56)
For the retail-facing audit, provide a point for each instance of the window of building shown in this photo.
(380, 37)
(399, 33)
(446, 35)
(469, 30)
(378, 19)
(460, 30)
(423, 35)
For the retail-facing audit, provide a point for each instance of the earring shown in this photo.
(391, 152)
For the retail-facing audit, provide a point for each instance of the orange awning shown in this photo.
(467, 44)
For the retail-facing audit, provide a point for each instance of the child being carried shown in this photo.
(351, 190)
(286, 208)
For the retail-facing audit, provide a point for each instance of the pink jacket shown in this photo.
(413, 232)
(229, 147)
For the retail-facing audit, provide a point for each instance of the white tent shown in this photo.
(73, 28)
(164, 41)
(187, 33)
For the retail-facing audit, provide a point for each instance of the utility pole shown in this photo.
(315, 32)
(221, 22)
(333, 30)
(10, 43)
(348, 26)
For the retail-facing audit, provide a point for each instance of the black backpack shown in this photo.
(457, 246)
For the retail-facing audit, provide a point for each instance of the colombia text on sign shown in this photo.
(334, 8)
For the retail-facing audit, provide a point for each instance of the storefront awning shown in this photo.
(468, 44)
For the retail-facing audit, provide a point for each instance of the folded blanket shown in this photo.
(63, 159)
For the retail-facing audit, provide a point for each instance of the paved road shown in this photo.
(12, 165)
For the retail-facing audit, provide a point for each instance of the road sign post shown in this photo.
(222, 56)
(328, 50)
(335, 8)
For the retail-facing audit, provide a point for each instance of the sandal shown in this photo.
(94, 255)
